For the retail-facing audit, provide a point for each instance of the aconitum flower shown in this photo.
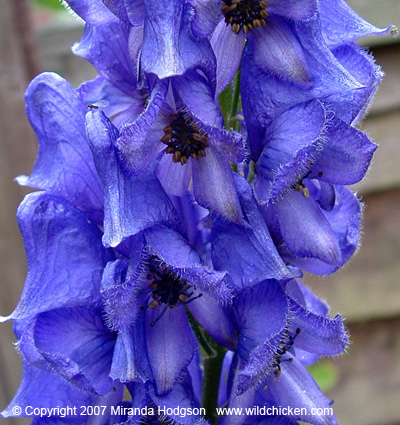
(286, 41)
(265, 98)
(42, 388)
(79, 283)
(97, 319)
(171, 40)
(65, 163)
(317, 233)
(271, 355)
(180, 134)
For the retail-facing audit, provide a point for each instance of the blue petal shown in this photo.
(169, 47)
(214, 188)
(345, 220)
(215, 319)
(118, 8)
(170, 344)
(259, 339)
(350, 106)
(174, 177)
(118, 296)
(325, 196)
(24, 331)
(318, 333)
(236, 250)
(92, 12)
(106, 48)
(131, 204)
(293, 9)
(303, 296)
(328, 74)
(346, 155)
(43, 389)
(135, 10)
(249, 255)
(77, 345)
(292, 142)
(340, 24)
(296, 387)
(207, 14)
(305, 230)
(136, 150)
(65, 163)
(64, 252)
(278, 52)
(228, 48)
(130, 359)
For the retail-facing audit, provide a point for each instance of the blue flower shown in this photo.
(66, 165)
(265, 98)
(185, 136)
(95, 319)
(83, 296)
(314, 229)
(43, 389)
(186, 125)
(171, 44)
(271, 355)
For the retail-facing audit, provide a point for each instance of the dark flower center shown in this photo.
(167, 288)
(184, 140)
(300, 186)
(284, 346)
(244, 14)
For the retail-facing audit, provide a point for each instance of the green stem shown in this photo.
(208, 350)
(233, 122)
(252, 172)
(212, 375)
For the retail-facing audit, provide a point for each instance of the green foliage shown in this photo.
(325, 373)
(55, 5)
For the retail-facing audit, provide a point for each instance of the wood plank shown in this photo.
(17, 152)
(384, 172)
(388, 94)
(368, 389)
(55, 53)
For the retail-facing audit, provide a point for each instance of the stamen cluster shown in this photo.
(167, 287)
(245, 14)
(184, 140)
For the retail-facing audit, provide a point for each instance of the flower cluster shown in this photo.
(181, 195)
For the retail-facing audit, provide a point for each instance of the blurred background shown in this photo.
(37, 35)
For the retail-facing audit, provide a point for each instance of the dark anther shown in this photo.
(284, 346)
(184, 140)
(244, 14)
(167, 289)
